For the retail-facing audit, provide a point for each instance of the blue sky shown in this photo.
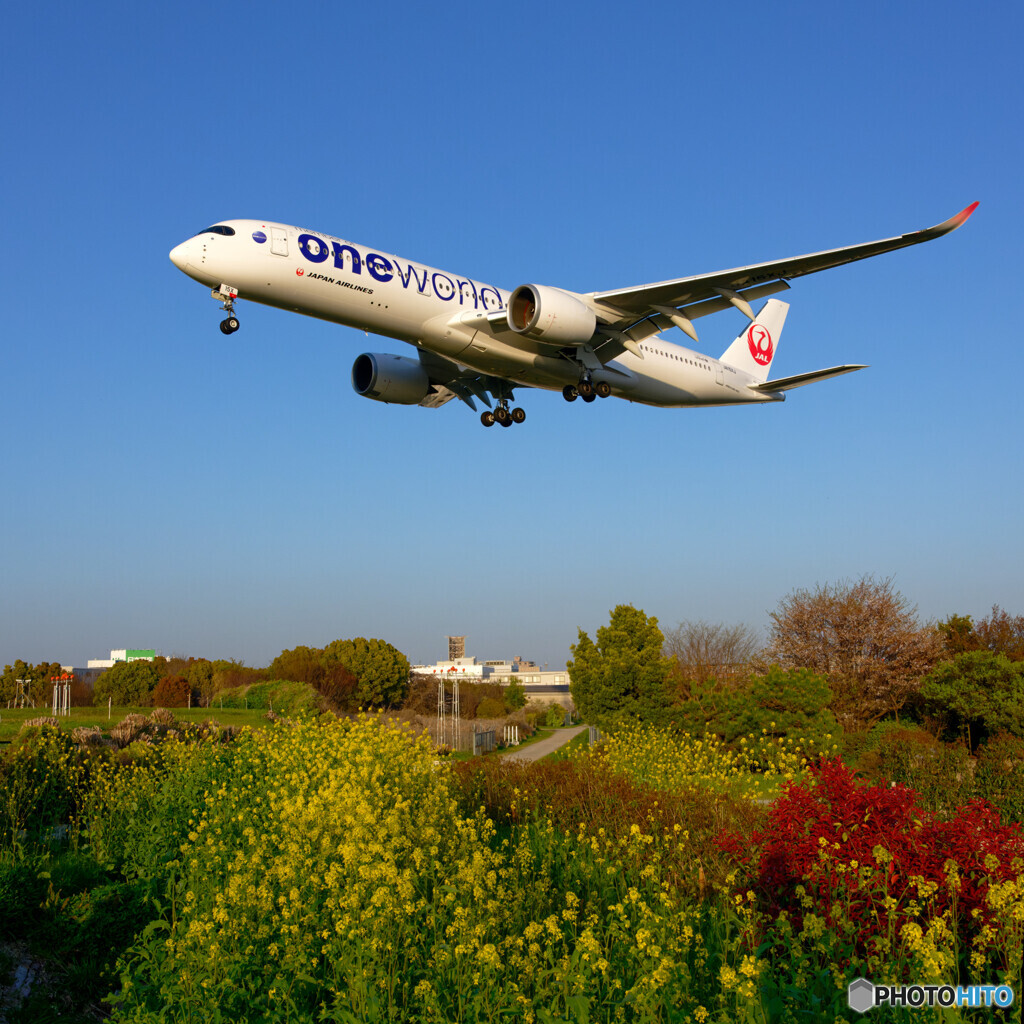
(166, 486)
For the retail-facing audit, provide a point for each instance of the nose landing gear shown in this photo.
(227, 295)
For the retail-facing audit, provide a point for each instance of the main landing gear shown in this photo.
(227, 296)
(587, 390)
(503, 415)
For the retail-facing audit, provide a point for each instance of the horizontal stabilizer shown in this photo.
(800, 379)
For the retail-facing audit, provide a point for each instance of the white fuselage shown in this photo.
(332, 279)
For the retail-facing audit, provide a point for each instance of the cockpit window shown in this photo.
(218, 229)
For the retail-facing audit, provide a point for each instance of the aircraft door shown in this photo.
(719, 374)
(279, 241)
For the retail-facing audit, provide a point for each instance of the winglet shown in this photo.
(949, 225)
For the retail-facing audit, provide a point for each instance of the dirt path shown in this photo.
(545, 746)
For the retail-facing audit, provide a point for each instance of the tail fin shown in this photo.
(754, 350)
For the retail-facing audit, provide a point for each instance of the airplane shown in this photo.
(478, 341)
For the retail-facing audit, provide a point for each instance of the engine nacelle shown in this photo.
(550, 315)
(387, 378)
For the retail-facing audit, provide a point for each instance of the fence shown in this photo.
(483, 741)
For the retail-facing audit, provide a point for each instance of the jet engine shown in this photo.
(387, 378)
(550, 315)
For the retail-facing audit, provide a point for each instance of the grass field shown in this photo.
(11, 719)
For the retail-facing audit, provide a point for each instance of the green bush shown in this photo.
(860, 749)
(40, 785)
(514, 696)
(490, 707)
(548, 716)
(286, 698)
(783, 704)
(999, 775)
(940, 773)
(976, 695)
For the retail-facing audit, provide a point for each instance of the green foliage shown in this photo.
(333, 870)
(624, 673)
(67, 908)
(200, 679)
(38, 679)
(999, 775)
(860, 749)
(976, 695)
(790, 703)
(546, 716)
(940, 773)
(141, 808)
(381, 670)
(780, 703)
(40, 785)
(958, 635)
(284, 697)
(515, 695)
(490, 708)
(300, 664)
(127, 684)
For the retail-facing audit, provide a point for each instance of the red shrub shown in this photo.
(171, 692)
(817, 828)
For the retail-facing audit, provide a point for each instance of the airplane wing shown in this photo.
(708, 293)
(450, 380)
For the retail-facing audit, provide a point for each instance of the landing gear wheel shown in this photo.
(229, 326)
(518, 415)
(603, 389)
(586, 389)
(569, 392)
(503, 416)
(506, 422)
(589, 398)
(487, 418)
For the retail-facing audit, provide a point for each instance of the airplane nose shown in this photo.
(179, 255)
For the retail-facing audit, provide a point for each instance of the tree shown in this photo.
(127, 684)
(299, 665)
(515, 695)
(200, 680)
(1003, 633)
(625, 672)
(977, 694)
(958, 635)
(864, 637)
(38, 688)
(701, 651)
(171, 692)
(229, 674)
(792, 704)
(381, 669)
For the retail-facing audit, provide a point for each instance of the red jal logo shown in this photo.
(299, 271)
(760, 343)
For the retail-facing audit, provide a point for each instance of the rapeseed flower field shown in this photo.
(339, 870)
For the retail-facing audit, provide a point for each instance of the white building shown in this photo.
(126, 654)
(540, 684)
(95, 667)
